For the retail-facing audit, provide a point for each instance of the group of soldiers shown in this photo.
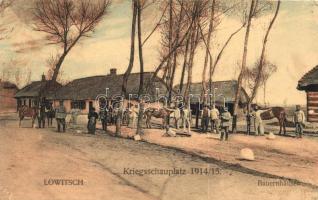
(219, 121)
(222, 121)
(210, 117)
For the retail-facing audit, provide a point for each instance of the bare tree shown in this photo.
(51, 64)
(206, 59)
(67, 21)
(132, 47)
(253, 75)
(262, 57)
(140, 5)
(256, 9)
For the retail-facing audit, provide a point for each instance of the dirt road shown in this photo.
(111, 168)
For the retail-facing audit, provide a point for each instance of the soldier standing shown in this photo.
(92, 118)
(177, 116)
(259, 127)
(41, 114)
(186, 119)
(103, 116)
(214, 115)
(60, 115)
(225, 124)
(205, 119)
(299, 120)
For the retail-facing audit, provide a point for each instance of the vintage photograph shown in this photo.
(158, 100)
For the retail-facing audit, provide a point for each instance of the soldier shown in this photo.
(299, 120)
(225, 124)
(186, 117)
(177, 116)
(41, 114)
(103, 115)
(92, 118)
(205, 118)
(60, 115)
(133, 115)
(214, 116)
(259, 127)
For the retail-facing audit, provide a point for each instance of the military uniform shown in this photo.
(205, 119)
(103, 117)
(60, 115)
(225, 124)
(214, 116)
(299, 119)
(92, 118)
(41, 115)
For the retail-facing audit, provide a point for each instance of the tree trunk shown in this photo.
(194, 44)
(184, 64)
(262, 58)
(175, 55)
(132, 48)
(140, 116)
(204, 87)
(243, 66)
(141, 60)
(58, 66)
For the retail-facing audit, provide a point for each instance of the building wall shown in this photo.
(7, 100)
(312, 106)
(68, 103)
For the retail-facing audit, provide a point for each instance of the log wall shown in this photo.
(312, 106)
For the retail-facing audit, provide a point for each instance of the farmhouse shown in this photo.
(82, 93)
(223, 93)
(31, 93)
(7, 92)
(309, 84)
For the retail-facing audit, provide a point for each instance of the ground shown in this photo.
(29, 156)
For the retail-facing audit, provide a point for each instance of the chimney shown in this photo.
(113, 71)
(43, 77)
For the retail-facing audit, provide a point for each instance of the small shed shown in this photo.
(309, 84)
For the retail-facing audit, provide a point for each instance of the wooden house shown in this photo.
(82, 93)
(33, 92)
(309, 84)
(223, 93)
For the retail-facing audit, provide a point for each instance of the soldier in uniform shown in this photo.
(205, 118)
(214, 115)
(41, 114)
(177, 116)
(103, 116)
(259, 127)
(92, 118)
(60, 115)
(225, 124)
(186, 117)
(299, 120)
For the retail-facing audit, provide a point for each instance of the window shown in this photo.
(80, 104)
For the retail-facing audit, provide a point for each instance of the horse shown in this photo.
(25, 111)
(162, 113)
(276, 112)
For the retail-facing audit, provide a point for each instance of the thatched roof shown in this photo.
(309, 79)
(7, 85)
(91, 87)
(225, 89)
(46, 88)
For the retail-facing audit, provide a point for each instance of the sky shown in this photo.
(292, 46)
